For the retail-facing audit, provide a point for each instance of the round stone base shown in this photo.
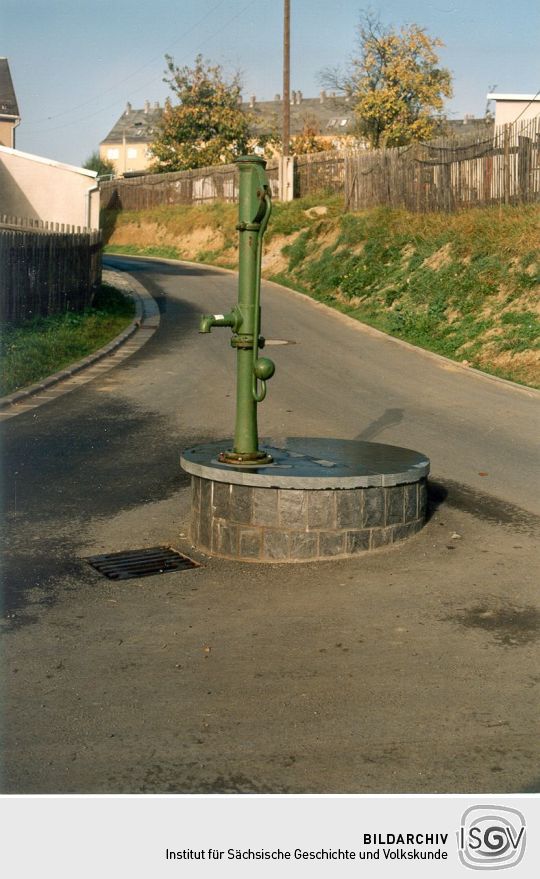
(319, 499)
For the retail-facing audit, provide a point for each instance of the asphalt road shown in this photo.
(375, 674)
(337, 378)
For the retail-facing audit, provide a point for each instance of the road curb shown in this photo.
(443, 361)
(91, 359)
(432, 355)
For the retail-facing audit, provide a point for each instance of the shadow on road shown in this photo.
(389, 418)
(482, 506)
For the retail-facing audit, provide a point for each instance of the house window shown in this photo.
(113, 153)
(132, 153)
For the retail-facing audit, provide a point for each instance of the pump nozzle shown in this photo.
(207, 321)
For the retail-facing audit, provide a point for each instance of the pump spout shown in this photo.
(205, 324)
(207, 321)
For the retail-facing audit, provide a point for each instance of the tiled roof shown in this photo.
(331, 116)
(8, 101)
(135, 126)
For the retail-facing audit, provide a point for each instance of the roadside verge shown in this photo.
(126, 343)
(445, 362)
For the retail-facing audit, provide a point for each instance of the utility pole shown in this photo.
(286, 76)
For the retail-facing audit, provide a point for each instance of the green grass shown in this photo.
(41, 346)
(290, 217)
(164, 251)
(462, 285)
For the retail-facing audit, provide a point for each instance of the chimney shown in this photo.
(299, 97)
(146, 106)
(293, 97)
(128, 109)
(277, 98)
(252, 100)
(240, 101)
(322, 97)
(156, 105)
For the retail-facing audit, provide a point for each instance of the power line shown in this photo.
(527, 106)
(144, 85)
(130, 76)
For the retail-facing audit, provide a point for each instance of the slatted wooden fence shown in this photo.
(315, 173)
(319, 173)
(445, 175)
(9, 222)
(199, 186)
(44, 272)
(502, 166)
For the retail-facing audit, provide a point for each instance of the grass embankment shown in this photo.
(40, 347)
(204, 233)
(463, 285)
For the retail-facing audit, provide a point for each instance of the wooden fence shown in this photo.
(319, 173)
(199, 186)
(43, 272)
(315, 173)
(9, 222)
(446, 176)
(502, 166)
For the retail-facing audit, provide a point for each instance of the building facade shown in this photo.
(9, 110)
(127, 143)
(511, 108)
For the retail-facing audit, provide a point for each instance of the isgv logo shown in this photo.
(491, 837)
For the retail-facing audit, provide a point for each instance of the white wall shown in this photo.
(42, 189)
(509, 107)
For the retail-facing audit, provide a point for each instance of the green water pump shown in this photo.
(245, 318)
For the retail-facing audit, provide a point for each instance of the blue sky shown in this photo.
(75, 63)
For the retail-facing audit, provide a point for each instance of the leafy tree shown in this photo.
(207, 126)
(270, 141)
(94, 162)
(395, 84)
(308, 141)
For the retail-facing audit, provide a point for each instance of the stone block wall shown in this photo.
(293, 525)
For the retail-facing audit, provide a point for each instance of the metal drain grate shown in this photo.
(141, 563)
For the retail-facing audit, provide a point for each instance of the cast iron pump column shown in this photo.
(245, 318)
